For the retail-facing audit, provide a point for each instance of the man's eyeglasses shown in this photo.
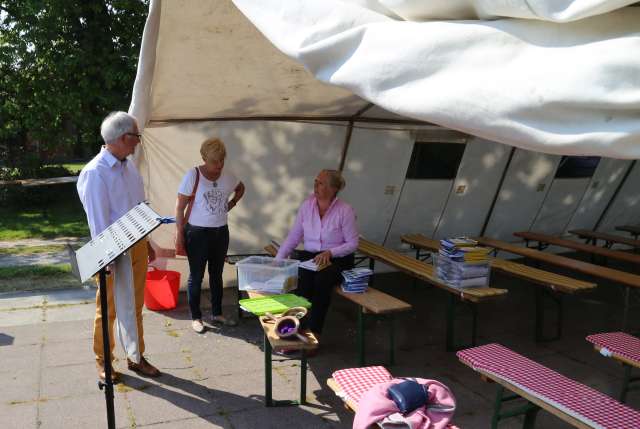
(134, 135)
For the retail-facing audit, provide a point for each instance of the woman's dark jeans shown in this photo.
(317, 287)
(205, 245)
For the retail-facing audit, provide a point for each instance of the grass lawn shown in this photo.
(37, 278)
(61, 216)
(30, 250)
(73, 167)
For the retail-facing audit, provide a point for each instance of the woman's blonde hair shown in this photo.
(336, 180)
(213, 149)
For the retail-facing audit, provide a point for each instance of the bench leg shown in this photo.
(539, 328)
(361, 336)
(303, 378)
(529, 410)
(451, 316)
(392, 359)
(267, 373)
(625, 310)
(626, 381)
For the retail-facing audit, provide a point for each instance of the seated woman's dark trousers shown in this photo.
(317, 287)
(205, 246)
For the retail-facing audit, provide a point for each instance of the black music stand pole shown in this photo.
(94, 258)
(107, 385)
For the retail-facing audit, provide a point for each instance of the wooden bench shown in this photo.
(373, 302)
(425, 272)
(544, 240)
(377, 304)
(625, 349)
(553, 284)
(543, 388)
(634, 230)
(628, 280)
(609, 239)
(274, 343)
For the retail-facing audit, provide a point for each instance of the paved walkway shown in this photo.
(216, 380)
(45, 258)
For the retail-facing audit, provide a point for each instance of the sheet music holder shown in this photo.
(96, 255)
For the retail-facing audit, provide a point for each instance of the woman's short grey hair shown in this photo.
(115, 125)
(336, 180)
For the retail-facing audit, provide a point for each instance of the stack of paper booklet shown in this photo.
(356, 280)
(462, 263)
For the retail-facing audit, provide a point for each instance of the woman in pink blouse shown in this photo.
(327, 225)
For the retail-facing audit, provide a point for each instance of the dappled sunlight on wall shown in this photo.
(277, 161)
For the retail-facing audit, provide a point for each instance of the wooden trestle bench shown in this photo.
(634, 230)
(553, 285)
(544, 240)
(372, 303)
(625, 349)
(425, 272)
(628, 280)
(543, 388)
(592, 237)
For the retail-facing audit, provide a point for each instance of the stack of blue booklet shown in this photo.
(356, 280)
(461, 263)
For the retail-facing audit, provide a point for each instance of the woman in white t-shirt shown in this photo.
(201, 226)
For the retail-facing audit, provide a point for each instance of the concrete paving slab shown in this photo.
(18, 358)
(86, 411)
(67, 353)
(280, 417)
(22, 415)
(75, 330)
(27, 316)
(69, 312)
(56, 380)
(19, 386)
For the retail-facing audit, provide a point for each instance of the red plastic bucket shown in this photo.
(161, 291)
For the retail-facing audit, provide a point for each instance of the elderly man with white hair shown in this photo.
(109, 186)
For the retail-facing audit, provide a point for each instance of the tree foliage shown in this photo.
(64, 64)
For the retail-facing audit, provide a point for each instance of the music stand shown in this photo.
(95, 256)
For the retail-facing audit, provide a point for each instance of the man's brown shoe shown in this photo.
(115, 376)
(143, 368)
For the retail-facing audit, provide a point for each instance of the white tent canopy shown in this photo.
(338, 100)
(537, 83)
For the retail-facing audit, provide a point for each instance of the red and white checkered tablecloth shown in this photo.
(621, 344)
(581, 402)
(356, 381)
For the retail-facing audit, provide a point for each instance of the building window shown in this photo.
(574, 167)
(435, 160)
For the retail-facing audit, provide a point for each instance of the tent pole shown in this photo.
(613, 197)
(495, 197)
(347, 137)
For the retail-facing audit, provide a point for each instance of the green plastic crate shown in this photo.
(274, 304)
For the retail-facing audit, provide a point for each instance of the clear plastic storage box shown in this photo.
(268, 275)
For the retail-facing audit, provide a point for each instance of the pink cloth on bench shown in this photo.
(581, 402)
(622, 344)
(375, 405)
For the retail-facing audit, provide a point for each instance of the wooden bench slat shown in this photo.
(423, 271)
(612, 238)
(535, 275)
(633, 229)
(625, 278)
(582, 247)
(375, 301)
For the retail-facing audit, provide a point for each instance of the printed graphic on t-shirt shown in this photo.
(215, 201)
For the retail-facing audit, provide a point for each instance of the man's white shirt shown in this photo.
(108, 188)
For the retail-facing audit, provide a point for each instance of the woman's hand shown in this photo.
(180, 249)
(323, 258)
